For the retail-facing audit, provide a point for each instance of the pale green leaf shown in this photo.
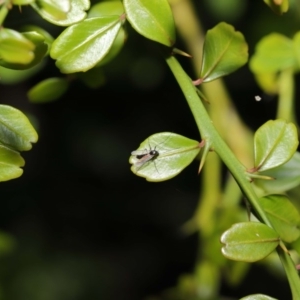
(62, 13)
(274, 52)
(39, 52)
(10, 163)
(283, 216)
(275, 143)
(15, 47)
(48, 90)
(81, 46)
(175, 152)
(152, 19)
(286, 177)
(249, 241)
(16, 132)
(224, 51)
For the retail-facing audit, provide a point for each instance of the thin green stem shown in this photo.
(286, 96)
(208, 132)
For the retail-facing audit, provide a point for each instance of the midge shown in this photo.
(147, 155)
(144, 156)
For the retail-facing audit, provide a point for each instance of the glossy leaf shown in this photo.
(258, 297)
(275, 52)
(275, 143)
(278, 7)
(81, 46)
(48, 38)
(48, 90)
(106, 8)
(16, 132)
(283, 216)
(103, 9)
(286, 177)
(62, 13)
(10, 163)
(176, 152)
(224, 51)
(39, 52)
(249, 241)
(152, 19)
(15, 48)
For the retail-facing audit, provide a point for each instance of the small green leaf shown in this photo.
(15, 48)
(283, 216)
(10, 163)
(286, 177)
(278, 7)
(16, 132)
(103, 9)
(62, 13)
(152, 19)
(275, 143)
(106, 8)
(224, 51)
(257, 297)
(81, 46)
(40, 51)
(175, 152)
(48, 90)
(249, 241)
(274, 53)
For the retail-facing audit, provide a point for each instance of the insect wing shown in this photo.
(140, 152)
(143, 160)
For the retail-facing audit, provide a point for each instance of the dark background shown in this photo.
(82, 225)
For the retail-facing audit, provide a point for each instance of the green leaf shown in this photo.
(249, 241)
(39, 52)
(257, 297)
(48, 38)
(224, 51)
(152, 19)
(273, 53)
(286, 177)
(48, 90)
(15, 48)
(275, 143)
(106, 8)
(62, 13)
(283, 216)
(81, 46)
(10, 163)
(103, 9)
(278, 7)
(175, 152)
(16, 132)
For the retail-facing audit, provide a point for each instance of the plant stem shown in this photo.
(208, 132)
